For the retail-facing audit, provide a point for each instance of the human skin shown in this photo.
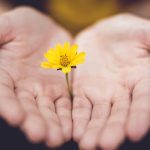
(34, 99)
(112, 88)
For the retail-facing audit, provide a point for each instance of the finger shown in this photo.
(81, 116)
(100, 115)
(34, 125)
(10, 109)
(114, 132)
(55, 135)
(139, 118)
(63, 109)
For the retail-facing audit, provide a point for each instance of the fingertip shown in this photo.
(79, 126)
(55, 139)
(81, 114)
(112, 139)
(14, 116)
(77, 134)
(67, 131)
(55, 136)
(36, 135)
(137, 128)
(134, 134)
(107, 144)
(54, 144)
(35, 129)
(88, 143)
(66, 125)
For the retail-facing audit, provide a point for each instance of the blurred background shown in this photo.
(77, 14)
(14, 139)
(74, 15)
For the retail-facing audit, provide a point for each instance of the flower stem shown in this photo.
(69, 88)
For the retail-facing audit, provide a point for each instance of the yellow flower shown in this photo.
(63, 57)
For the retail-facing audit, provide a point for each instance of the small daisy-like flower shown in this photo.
(63, 57)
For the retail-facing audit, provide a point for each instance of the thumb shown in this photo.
(5, 30)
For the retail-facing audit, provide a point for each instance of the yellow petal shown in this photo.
(51, 52)
(52, 57)
(66, 69)
(73, 51)
(59, 49)
(66, 45)
(79, 59)
(46, 65)
(66, 48)
(56, 66)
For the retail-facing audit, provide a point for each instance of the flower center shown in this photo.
(64, 61)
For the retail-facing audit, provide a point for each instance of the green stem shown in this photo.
(69, 88)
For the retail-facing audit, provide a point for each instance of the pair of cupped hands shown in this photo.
(111, 90)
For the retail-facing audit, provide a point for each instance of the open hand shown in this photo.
(34, 99)
(112, 89)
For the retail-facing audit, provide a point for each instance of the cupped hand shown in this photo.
(34, 99)
(112, 89)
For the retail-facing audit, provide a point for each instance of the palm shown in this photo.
(112, 88)
(25, 87)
